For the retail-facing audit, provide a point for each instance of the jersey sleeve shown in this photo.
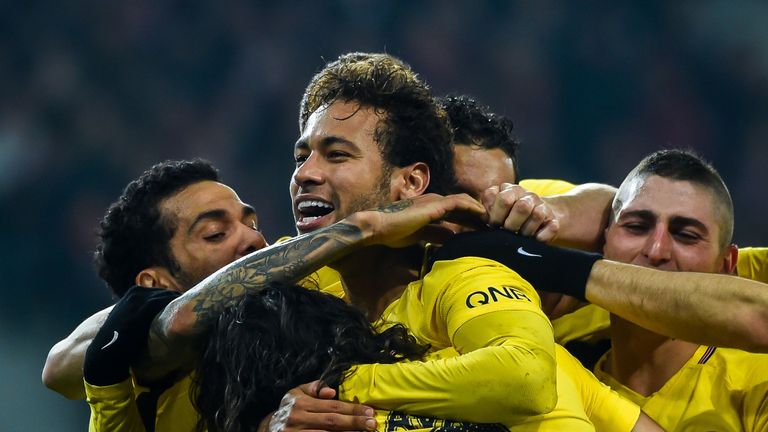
(493, 319)
(753, 264)
(755, 405)
(113, 408)
(606, 409)
(547, 187)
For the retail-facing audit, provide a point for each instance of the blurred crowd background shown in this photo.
(92, 93)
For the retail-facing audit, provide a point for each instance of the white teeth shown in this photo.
(308, 219)
(313, 203)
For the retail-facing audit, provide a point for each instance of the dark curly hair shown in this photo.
(413, 129)
(277, 339)
(134, 234)
(474, 124)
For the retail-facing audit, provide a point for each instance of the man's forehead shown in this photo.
(341, 117)
(197, 198)
(660, 195)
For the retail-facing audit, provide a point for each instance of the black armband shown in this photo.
(123, 336)
(547, 268)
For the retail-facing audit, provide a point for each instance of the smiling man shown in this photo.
(371, 134)
(674, 213)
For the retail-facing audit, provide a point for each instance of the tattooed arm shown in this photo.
(176, 334)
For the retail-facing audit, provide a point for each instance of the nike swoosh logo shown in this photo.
(114, 338)
(522, 251)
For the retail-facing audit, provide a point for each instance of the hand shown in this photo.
(311, 407)
(123, 335)
(556, 305)
(513, 208)
(409, 221)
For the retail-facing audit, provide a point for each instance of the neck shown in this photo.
(376, 276)
(643, 360)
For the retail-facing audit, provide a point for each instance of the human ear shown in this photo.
(411, 180)
(157, 277)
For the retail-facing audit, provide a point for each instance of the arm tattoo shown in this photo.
(287, 262)
(396, 206)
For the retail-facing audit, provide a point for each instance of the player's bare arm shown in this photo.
(705, 308)
(63, 370)
(175, 332)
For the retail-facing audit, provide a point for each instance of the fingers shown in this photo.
(301, 410)
(513, 208)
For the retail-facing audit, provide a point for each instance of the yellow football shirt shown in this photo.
(753, 264)
(718, 389)
(114, 409)
(547, 187)
(450, 299)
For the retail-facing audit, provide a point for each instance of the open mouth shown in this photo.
(311, 212)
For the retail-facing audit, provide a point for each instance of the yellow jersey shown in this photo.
(114, 408)
(480, 296)
(547, 187)
(753, 264)
(718, 389)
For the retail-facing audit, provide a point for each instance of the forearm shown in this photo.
(473, 387)
(582, 214)
(709, 309)
(502, 350)
(63, 370)
(176, 333)
(287, 262)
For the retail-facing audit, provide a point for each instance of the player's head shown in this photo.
(371, 133)
(172, 227)
(279, 338)
(485, 149)
(673, 212)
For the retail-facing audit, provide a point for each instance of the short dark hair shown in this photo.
(134, 234)
(413, 127)
(685, 165)
(473, 124)
(279, 338)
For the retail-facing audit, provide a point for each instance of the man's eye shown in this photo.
(214, 237)
(687, 236)
(635, 227)
(337, 155)
(299, 159)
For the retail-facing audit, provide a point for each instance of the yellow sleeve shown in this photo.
(753, 264)
(546, 187)
(606, 409)
(755, 406)
(589, 323)
(491, 316)
(113, 408)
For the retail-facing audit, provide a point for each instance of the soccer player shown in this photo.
(341, 167)
(674, 213)
(169, 229)
(486, 149)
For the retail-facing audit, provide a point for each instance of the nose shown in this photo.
(309, 172)
(251, 241)
(658, 247)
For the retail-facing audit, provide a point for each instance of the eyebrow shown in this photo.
(682, 221)
(324, 142)
(676, 221)
(642, 214)
(218, 214)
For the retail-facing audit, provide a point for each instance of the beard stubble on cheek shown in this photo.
(377, 197)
